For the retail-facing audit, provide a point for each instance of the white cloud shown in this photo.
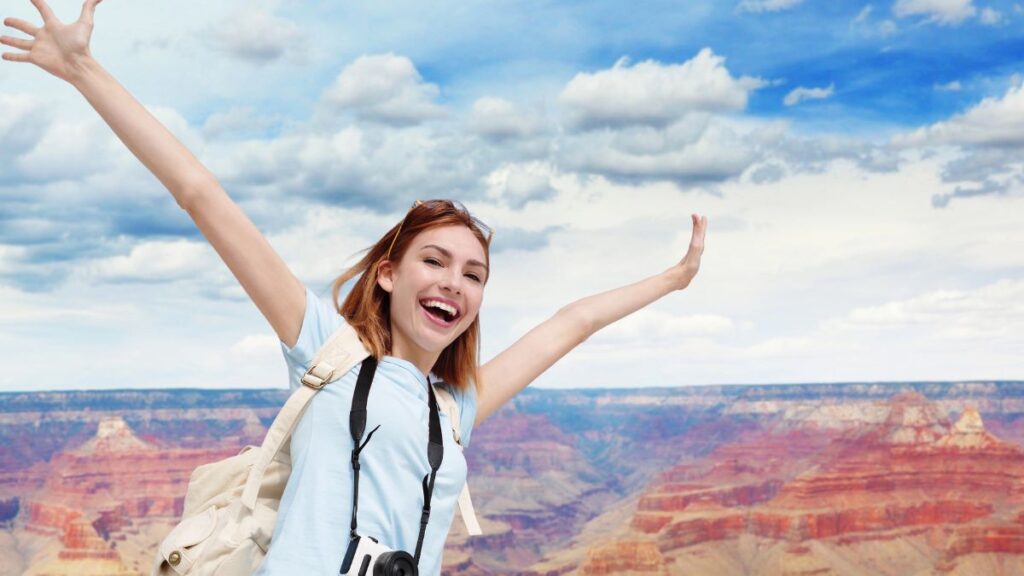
(256, 346)
(781, 347)
(68, 151)
(46, 139)
(656, 325)
(802, 93)
(864, 14)
(988, 186)
(989, 138)
(943, 12)
(655, 94)
(815, 154)
(243, 120)
(810, 232)
(655, 121)
(155, 261)
(992, 122)
(37, 310)
(11, 256)
(990, 17)
(385, 88)
(991, 312)
(979, 164)
(862, 23)
(517, 184)
(698, 149)
(953, 86)
(499, 119)
(766, 5)
(365, 164)
(257, 36)
(24, 119)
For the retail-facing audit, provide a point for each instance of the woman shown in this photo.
(415, 306)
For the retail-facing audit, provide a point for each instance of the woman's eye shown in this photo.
(433, 261)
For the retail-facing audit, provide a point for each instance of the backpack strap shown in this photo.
(342, 351)
(448, 405)
(336, 357)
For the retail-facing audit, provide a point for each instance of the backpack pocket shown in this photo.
(179, 550)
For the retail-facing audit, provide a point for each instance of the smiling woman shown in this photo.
(437, 252)
(415, 307)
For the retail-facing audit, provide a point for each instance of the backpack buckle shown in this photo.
(318, 375)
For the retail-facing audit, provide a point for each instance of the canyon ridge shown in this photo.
(828, 479)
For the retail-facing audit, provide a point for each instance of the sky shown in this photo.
(861, 166)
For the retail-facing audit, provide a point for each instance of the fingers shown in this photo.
(44, 10)
(88, 9)
(700, 224)
(13, 57)
(16, 42)
(20, 24)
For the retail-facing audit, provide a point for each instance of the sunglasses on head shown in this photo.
(459, 206)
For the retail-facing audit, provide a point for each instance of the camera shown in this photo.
(367, 557)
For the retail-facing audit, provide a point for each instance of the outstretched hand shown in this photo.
(56, 47)
(683, 272)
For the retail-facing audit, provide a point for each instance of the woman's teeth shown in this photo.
(439, 312)
(449, 312)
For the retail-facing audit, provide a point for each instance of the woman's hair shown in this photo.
(367, 307)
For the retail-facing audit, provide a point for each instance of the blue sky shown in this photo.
(860, 165)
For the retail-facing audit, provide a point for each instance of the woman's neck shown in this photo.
(419, 358)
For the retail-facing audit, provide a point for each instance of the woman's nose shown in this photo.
(452, 280)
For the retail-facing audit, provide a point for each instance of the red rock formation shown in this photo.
(81, 542)
(707, 528)
(800, 525)
(525, 443)
(619, 557)
(676, 497)
(102, 487)
(811, 477)
(975, 539)
(912, 471)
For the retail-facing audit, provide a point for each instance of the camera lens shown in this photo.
(395, 563)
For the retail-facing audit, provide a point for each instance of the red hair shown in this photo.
(367, 307)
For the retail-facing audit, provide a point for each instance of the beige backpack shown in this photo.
(231, 505)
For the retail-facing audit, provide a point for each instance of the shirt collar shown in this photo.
(417, 384)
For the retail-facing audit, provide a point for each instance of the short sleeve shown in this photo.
(318, 323)
(466, 400)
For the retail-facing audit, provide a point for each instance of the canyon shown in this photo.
(880, 478)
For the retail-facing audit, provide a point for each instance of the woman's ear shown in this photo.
(385, 269)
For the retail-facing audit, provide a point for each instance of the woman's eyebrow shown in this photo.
(449, 255)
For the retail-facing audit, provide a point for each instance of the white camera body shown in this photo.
(367, 557)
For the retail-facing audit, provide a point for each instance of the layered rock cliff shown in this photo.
(952, 490)
(807, 479)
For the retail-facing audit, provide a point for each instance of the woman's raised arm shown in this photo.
(508, 373)
(63, 50)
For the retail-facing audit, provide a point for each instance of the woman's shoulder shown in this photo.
(319, 321)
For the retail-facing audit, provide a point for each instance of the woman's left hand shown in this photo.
(683, 272)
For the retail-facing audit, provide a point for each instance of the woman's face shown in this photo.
(444, 263)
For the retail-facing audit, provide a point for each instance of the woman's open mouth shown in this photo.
(438, 316)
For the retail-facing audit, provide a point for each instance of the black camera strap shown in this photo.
(435, 453)
(357, 425)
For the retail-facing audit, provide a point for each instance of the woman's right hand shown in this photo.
(56, 47)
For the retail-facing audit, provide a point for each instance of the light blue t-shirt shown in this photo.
(312, 531)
